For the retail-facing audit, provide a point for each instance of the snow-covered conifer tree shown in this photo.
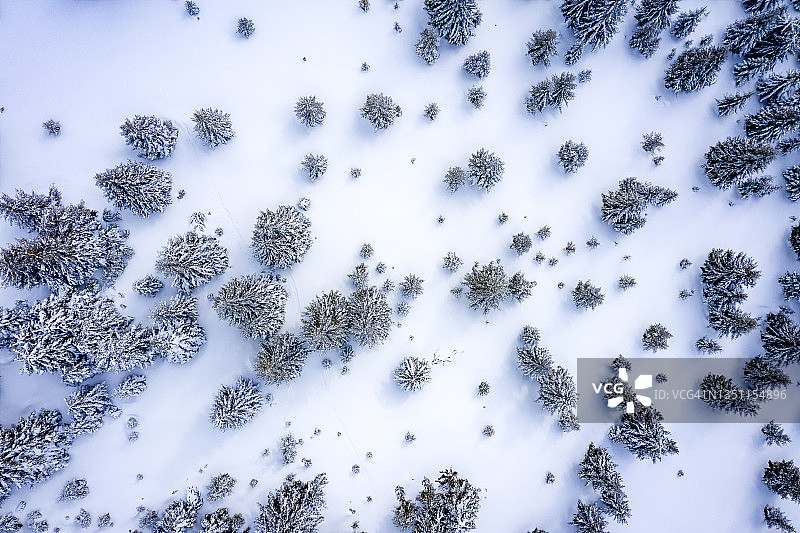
(309, 111)
(412, 373)
(380, 110)
(478, 64)
(294, 507)
(148, 285)
(142, 188)
(476, 96)
(774, 434)
(191, 260)
(656, 337)
(130, 387)
(587, 296)
(450, 505)
(281, 358)
(643, 434)
(181, 515)
(722, 394)
(695, 69)
(652, 17)
(686, 22)
(255, 304)
(542, 45)
(774, 518)
(732, 103)
(534, 361)
(731, 161)
(485, 169)
(593, 22)
(487, 286)
(220, 486)
(370, 317)
(761, 374)
(520, 288)
(88, 405)
(245, 27)
(314, 166)
(74, 489)
(178, 335)
(236, 405)
(281, 237)
(150, 136)
(557, 392)
(572, 155)
(589, 518)
(325, 321)
(455, 178)
(783, 478)
(411, 286)
(455, 20)
(428, 45)
(781, 339)
(624, 209)
(213, 126)
(222, 521)
(790, 283)
(773, 122)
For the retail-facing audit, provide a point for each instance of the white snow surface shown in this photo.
(92, 63)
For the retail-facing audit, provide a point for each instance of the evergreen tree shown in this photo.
(521, 243)
(686, 22)
(520, 288)
(572, 155)
(730, 161)
(88, 405)
(220, 486)
(431, 111)
(534, 361)
(9, 523)
(589, 519)
(624, 209)
(455, 178)
(724, 276)
(773, 122)
(221, 521)
(296, 506)
(593, 22)
(148, 285)
(380, 110)
(721, 394)
(451, 262)
(191, 8)
(192, 260)
(74, 489)
(783, 478)
(71, 245)
(181, 515)
(707, 346)
(792, 178)
(487, 286)
(178, 336)
(245, 27)
(775, 519)
(781, 340)
(142, 188)
(762, 374)
(428, 45)
(255, 304)
(760, 6)
(643, 434)
(130, 387)
(455, 20)
(478, 64)
(542, 45)
(794, 240)
(652, 17)
(213, 126)
(732, 103)
(236, 405)
(587, 296)
(731, 321)
(281, 358)
(485, 169)
(756, 187)
(370, 317)
(412, 373)
(281, 237)
(476, 96)
(788, 145)
(152, 137)
(695, 68)
(656, 337)
(411, 286)
(790, 282)
(774, 434)
(451, 505)
(314, 166)
(777, 87)
(557, 392)
(325, 321)
(599, 470)
(34, 448)
(309, 111)
(52, 127)
(555, 92)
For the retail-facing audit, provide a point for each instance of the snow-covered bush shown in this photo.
(191, 260)
(255, 304)
(192, 8)
(380, 110)
(236, 405)
(281, 358)
(74, 489)
(152, 137)
(451, 262)
(281, 237)
(142, 188)
(213, 126)
(412, 373)
(52, 127)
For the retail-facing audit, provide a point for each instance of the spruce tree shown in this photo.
(790, 283)
(587, 296)
(152, 137)
(686, 22)
(281, 358)
(213, 126)
(695, 69)
(624, 209)
(281, 237)
(534, 361)
(245, 27)
(455, 20)
(412, 373)
(721, 394)
(255, 304)
(428, 45)
(478, 64)
(220, 486)
(652, 17)
(485, 169)
(655, 338)
(572, 155)
(773, 122)
(520, 288)
(455, 178)
(309, 111)
(792, 178)
(177, 336)
(555, 92)
(142, 188)
(326, 321)
(542, 45)
(761, 374)
(130, 387)
(192, 260)
(487, 286)
(451, 505)
(756, 187)
(370, 317)
(87, 406)
(236, 405)
(732, 103)
(148, 285)
(593, 22)
(222, 521)
(781, 339)
(777, 87)
(783, 478)
(643, 434)
(557, 392)
(314, 166)
(295, 507)
(774, 434)
(181, 515)
(589, 519)
(774, 518)
(380, 110)
(731, 161)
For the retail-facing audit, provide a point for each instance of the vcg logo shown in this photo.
(644, 381)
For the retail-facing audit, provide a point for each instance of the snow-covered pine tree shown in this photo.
(281, 237)
(254, 304)
(542, 45)
(791, 177)
(34, 448)
(774, 518)
(520, 288)
(451, 262)
(786, 146)
(309, 111)
(281, 358)
(476, 96)
(359, 276)
(572, 155)
(777, 87)
(411, 286)
(695, 69)
(294, 507)
(192, 8)
(220, 486)
(485, 169)
(369, 316)
(487, 286)
(428, 45)
(213, 126)
(236, 405)
(130, 387)
(731, 161)
(652, 17)
(774, 434)
(773, 122)
(455, 20)
(325, 321)
(74, 489)
(624, 209)
(555, 92)
(781, 339)
(412, 373)
(587, 296)
(643, 434)
(794, 239)
(450, 505)
(593, 22)
(557, 392)
(380, 110)
(756, 187)
(71, 246)
(148, 285)
(731, 103)
(761, 374)
(790, 283)
(88, 405)
(686, 22)
(599, 470)
(655, 338)
(722, 394)
(245, 27)
(222, 521)
(431, 111)
(152, 137)
(783, 478)
(534, 361)
(478, 64)
(191, 260)
(589, 518)
(9, 523)
(760, 6)
(455, 178)
(181, 515)
(314, 166)
(724, 276)
(178, 336)
(142, 188)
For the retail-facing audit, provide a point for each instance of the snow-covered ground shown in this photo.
(92, 63)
